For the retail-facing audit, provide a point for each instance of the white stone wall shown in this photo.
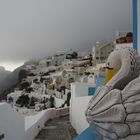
(77, 113)
(11, 124)
(17, 127)
(80, 89)
(79, 102)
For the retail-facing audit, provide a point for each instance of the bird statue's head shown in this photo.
(122, 66)
(113, 65)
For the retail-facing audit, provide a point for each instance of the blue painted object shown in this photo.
(135, 25)
(99, 81)
(91, 91)
(89, 134)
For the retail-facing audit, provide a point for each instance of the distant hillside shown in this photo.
(3, 73)
(9, 82)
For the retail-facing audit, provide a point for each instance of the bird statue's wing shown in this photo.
(106, 112)
(131, 102)
(116, 113)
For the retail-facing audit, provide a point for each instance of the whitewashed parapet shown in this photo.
(11, 124)
(78, 105)
(16, 127)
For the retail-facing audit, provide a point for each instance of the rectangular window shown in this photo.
(91, 91)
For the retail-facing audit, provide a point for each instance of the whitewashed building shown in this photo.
(80, 96)
(101, 52)
(58, 59)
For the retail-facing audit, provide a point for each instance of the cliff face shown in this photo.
(3, 73)
(8, 80)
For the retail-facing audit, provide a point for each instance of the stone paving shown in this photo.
(57, 129)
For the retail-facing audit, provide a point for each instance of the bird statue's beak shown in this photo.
(110, 72)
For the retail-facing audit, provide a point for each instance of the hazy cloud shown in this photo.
(35, 28)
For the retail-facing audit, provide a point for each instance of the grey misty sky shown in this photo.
(35, 28)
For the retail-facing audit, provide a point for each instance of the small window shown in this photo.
(91, 91)
(97, 52)
(97, 58)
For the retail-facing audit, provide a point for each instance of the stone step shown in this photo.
(57, 129)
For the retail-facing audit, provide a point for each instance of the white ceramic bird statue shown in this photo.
(114, 109)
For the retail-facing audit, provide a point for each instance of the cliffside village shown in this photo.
(56, 86)
(46, 83)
